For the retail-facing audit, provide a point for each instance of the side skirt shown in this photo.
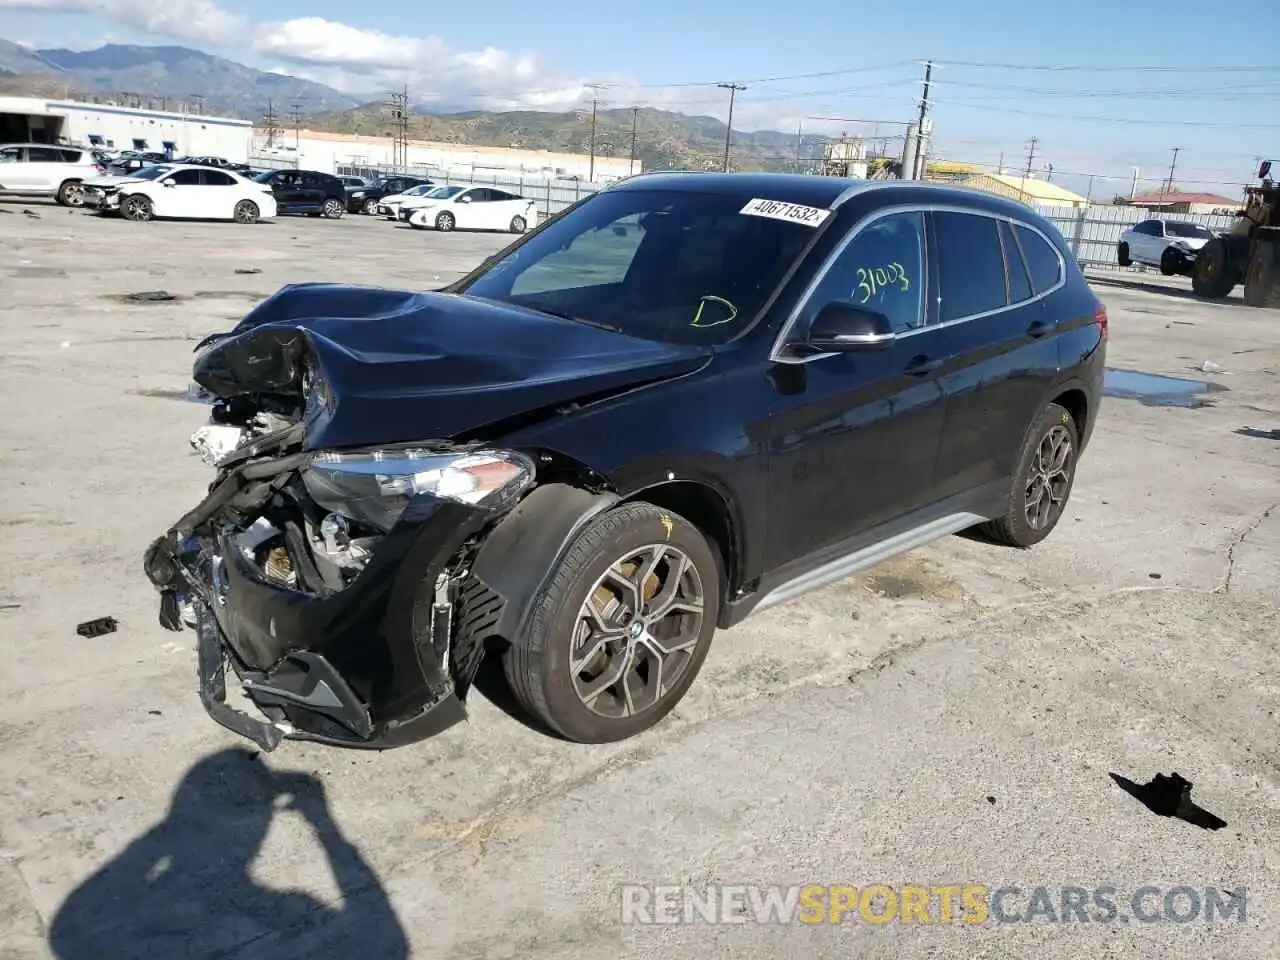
(844, 559)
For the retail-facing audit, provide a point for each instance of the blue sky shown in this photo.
(1116, 86)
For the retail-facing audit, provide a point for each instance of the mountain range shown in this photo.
(167, 75)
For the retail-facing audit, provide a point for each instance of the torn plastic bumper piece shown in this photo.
(367, 667)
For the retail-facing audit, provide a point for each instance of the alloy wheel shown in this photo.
(246, 211)
(1049, 478)
(137, 208)
(636, 632)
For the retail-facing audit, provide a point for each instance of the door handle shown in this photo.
(921, 365)
(1039, 328)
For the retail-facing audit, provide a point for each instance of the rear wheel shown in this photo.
(246, 211)
(1262, 281)
(445, 222)
(71, 194)
(1042, 481)
(1211, 276)
(621, 632)
(333, 209)
(518, 225)
(1122, 256)
(137, 208)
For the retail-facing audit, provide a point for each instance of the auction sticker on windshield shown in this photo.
(779, 210)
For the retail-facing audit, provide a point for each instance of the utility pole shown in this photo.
(1000, 165)
(635, 114)
(271, 123)
(1031, 156)
(921, 167)
(733, 89)
(1172, 166)
(799, 143)
(595, 104)
(399, 104)
(295, 114)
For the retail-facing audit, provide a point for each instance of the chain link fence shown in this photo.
(1093, 232)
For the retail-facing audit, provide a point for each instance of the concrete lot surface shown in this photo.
(953, 717)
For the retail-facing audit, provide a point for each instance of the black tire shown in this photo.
(1212, 275)
(445, 222)
(137, 208)
(246, 211)
(538, 666)
(333, 209)
(1262, 281)
(518, 225)
(71, 194)
(369, 207)
(1172, 261)
(1122, 256)
(1014, 529)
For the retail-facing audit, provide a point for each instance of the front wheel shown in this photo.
(1211, 276)
(445, 222)
(1171, 262)
(1042, 480)
(137, 208)
(333, 209)
(71, 194)
(1122, 256)
(370, 207)
(621, 632)
(518, 225)
(246, 211)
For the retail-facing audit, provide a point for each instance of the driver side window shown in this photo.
(881, 269)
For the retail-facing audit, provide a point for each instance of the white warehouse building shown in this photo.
(114, 127)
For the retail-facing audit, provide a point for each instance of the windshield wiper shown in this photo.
(568, 316)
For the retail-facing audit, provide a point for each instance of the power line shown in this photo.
(1094, 68)
(1146, 121)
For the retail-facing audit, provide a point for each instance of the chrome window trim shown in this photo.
(776, 355)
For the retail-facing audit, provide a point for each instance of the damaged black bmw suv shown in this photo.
(688, 397)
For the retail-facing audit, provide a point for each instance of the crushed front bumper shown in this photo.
(98, 199)
(369, 666)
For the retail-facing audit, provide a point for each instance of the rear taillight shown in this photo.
(1100, 319)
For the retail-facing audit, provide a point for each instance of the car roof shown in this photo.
(55, 146)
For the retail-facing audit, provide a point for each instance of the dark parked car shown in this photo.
(221, 163)
(306, 191)
(686, 398)
(388, 187)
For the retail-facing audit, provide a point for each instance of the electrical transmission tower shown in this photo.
(399, 104)
(271, 123)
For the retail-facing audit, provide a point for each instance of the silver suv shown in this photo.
(47, 170)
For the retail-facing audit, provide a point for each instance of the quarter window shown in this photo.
(186, 178)
(1043, 262)
(216, 178)
(970, 265)
(1019, 284)
(882, 269)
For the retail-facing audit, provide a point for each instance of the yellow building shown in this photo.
(1025, 189)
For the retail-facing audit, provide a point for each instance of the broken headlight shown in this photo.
(375, 486)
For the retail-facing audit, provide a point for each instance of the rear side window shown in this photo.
(970, 265)
(186, 178)
(1019, 283)
(43, 155)
(216, 178)
(1043, 262)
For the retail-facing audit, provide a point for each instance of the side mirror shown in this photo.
(1264, 169)
(464, 199)
(168, 183)
(841, 327)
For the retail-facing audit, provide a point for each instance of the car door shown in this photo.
(287, 190)
(853, 436)
(469, 208)
(45, 168)
(13, 169)
(1000, 358)
(219, 194)
(1147, 235)
(179, 195)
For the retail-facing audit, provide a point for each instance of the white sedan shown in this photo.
(391, 206)
(471, 208)
(182, 192)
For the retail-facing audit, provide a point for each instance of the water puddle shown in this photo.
(1154, 390)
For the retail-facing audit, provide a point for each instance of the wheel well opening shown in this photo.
(1076, 404)
(707, 511)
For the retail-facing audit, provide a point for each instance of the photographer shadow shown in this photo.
(184, 888)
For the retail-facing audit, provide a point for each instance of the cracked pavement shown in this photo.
(952, 716)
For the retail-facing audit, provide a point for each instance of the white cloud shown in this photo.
(200, 21)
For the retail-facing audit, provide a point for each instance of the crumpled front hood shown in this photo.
(398, 366)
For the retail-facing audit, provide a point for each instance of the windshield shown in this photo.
(418, 191)
(1192, 230)
(150, 173)
(442, 193)
(266, 176)
(673, 266)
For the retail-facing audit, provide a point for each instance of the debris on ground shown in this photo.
(10, 606)
(247, 270)
(98, 628)
(151, 296)
(1170, 796)
(1209, 366)
(32, 214)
